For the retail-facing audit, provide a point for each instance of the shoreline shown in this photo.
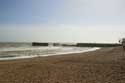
(106, 65)
(34, 56)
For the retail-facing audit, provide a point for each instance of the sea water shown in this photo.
(10, 51)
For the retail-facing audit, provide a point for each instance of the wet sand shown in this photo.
(106, 65)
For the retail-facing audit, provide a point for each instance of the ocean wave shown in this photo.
(30, 52)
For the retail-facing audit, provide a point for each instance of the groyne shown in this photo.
(77, 44)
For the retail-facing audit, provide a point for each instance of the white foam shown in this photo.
(64, 51)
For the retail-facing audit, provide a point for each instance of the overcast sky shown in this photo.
(62, 20)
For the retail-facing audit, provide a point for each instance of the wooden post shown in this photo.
(123, 45)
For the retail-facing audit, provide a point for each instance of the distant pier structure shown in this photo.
(98, 44)
(52, 44)
(78, 44)
(40, 44)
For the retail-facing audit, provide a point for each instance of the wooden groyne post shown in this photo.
(122, 42)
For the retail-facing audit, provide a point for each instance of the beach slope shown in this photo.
(106, 65)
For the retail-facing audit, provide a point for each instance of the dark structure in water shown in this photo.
(78, 44)
(39, 44)
(96, 45)
(52, 44)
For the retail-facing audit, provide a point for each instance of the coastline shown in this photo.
(61, 53)
(106, 65)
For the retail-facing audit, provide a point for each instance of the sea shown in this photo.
(10, 51)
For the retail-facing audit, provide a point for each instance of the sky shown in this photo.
(94, 21)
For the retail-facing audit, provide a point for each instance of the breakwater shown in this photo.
(77, 44)
(97, 45)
